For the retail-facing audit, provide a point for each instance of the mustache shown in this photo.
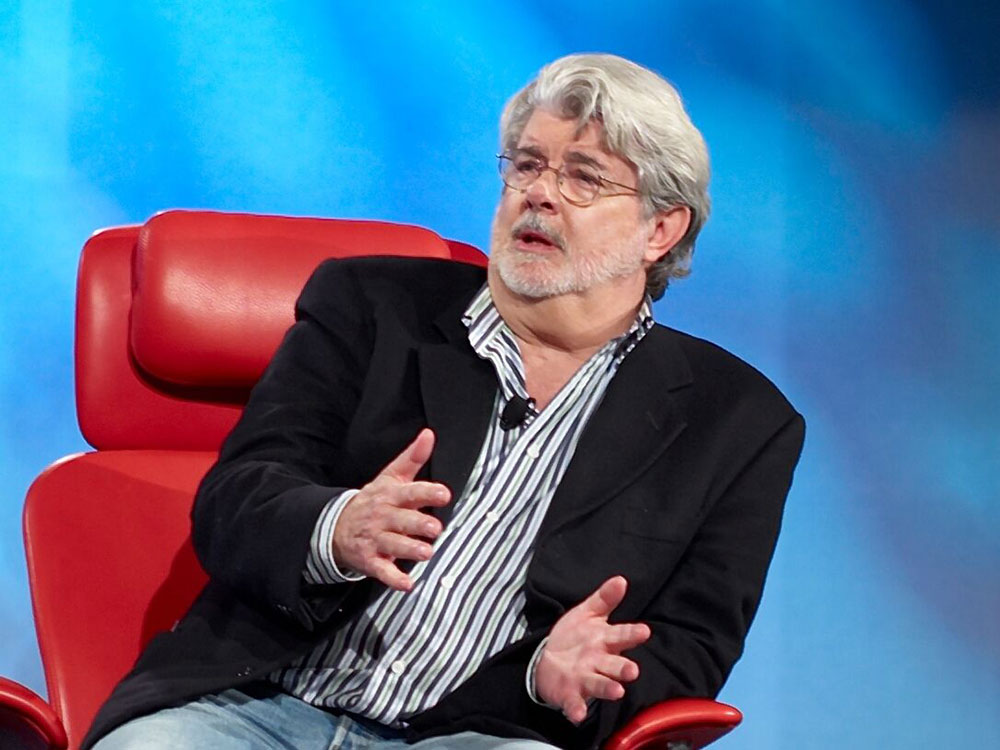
(533, 223)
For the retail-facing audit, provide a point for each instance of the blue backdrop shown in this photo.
(852, 256)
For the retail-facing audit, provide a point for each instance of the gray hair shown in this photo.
(644, 122)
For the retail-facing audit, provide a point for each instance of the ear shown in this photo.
(666, 229)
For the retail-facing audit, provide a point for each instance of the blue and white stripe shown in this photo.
(406, 651)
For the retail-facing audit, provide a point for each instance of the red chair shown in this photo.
(175, 321)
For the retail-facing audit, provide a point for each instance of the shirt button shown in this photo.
(398, 666)
(532, 450)
(448, 581)
(492, 516)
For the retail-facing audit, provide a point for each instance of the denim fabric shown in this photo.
(263, 719)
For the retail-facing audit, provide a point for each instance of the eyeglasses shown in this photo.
(580, 184)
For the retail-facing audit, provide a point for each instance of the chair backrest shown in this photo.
(176, 318)
(175, 321)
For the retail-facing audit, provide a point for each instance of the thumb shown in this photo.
(405, 466)
(608, 596)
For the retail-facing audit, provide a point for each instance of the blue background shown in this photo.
(852, 256)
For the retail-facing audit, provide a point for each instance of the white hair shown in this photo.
(643, 120)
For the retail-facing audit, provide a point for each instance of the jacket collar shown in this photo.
(634, 424)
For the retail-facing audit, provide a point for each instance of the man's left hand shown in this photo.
(582, 657)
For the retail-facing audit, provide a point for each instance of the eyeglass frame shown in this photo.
(560, 175)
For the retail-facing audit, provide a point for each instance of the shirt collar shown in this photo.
(484, 322)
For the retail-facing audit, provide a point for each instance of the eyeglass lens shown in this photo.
(578, 183)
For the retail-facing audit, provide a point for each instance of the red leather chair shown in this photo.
(175, 321)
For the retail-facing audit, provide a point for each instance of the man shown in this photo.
(500, 512)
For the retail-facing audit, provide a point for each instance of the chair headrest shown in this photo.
(213, 293)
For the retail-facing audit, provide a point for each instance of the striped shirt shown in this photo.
(406, 651)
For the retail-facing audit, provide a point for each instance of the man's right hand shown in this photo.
(383, 523)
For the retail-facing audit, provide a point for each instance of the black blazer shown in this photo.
(678, 483)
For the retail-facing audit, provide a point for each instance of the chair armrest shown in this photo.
(26, 721)
(677, 724)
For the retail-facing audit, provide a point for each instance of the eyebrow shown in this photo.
(578, 157)
(532, 151)
(574, 157)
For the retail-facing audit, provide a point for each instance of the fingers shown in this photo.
(405, 491)
(421, 495)
(399, 546)
(608, 596)
(413, 523)
(575, 709)
(604, 684)
(390, 575)
(618, 668)
(598, 686)
(594, 686)
(382, 523)
(629, 635)
(407, 464)
(388, 548)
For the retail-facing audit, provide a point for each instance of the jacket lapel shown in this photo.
(636, 421)
(458, 390)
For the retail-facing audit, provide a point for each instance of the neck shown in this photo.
(578, 324)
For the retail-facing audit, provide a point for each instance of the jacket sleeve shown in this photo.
(256, 509)
(701, 618)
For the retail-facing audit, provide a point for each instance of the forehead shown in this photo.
(556, 136)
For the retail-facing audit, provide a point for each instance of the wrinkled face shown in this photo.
(544, 246)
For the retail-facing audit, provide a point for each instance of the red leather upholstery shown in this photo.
(26, 721)
(117, 405)
(110, 565)
(175, 321)
(177, 318)
(688, 722)
(201, 315)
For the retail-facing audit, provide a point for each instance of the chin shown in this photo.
(540, 277)
(531, 277)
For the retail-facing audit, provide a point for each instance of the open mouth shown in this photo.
(533, 239)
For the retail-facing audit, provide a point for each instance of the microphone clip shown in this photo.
(515, 413)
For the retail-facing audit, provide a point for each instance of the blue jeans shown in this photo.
(265, 720)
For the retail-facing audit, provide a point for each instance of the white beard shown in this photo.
(561, 270)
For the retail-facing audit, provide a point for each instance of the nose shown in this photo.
(543, 193)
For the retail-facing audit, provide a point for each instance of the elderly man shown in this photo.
(487, 510)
